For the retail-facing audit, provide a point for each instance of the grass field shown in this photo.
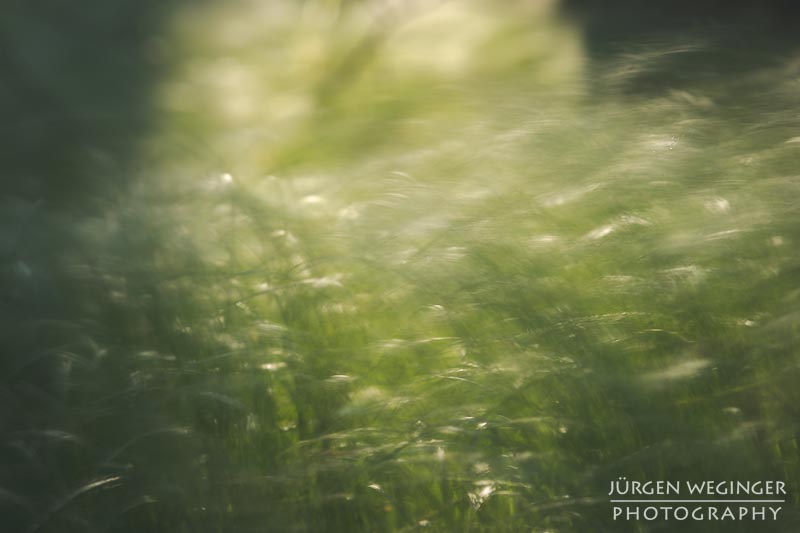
(396, 266)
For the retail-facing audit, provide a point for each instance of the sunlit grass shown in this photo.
(400, 267)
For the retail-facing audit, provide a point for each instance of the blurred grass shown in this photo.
(395, 267)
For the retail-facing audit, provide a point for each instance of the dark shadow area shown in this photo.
(621, 21)
(75, 88)
(682, 44)
(75, 91)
